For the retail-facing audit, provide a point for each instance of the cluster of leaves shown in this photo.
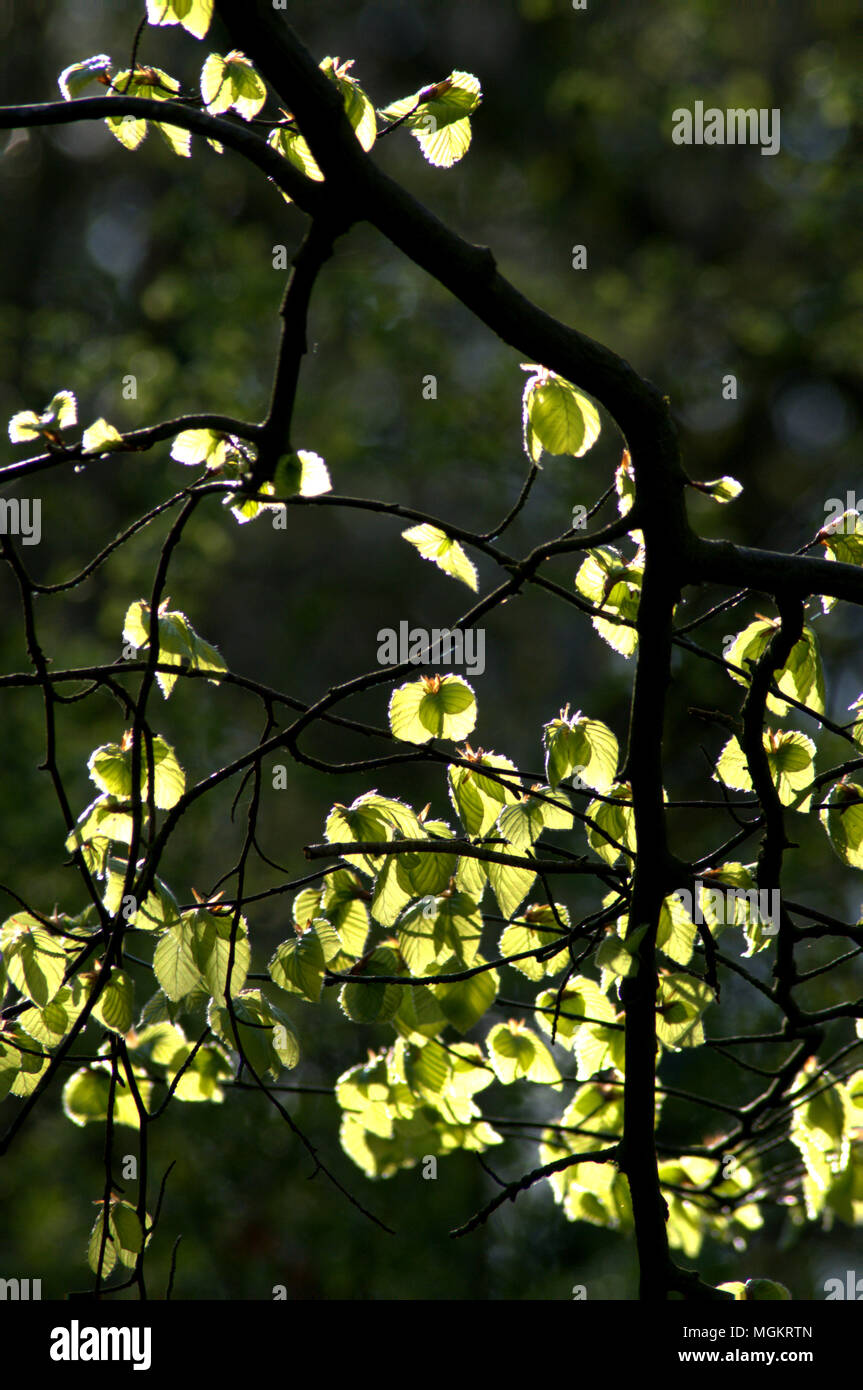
(61, 414)
(438, 116)
(388, 922)
(399, 930)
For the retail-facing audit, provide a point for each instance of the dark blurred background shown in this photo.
(701, 262)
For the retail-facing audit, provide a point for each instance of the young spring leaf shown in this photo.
(60, 414)
(158, 86)
(556, 416)
(438, 117)
(680, 1002)
(175, 964)
(101, 438)
(516, 1053)
(761, 1289)
(125, 1226)
(287, 140)
(613, 584)
(290, 144)
(110, 767)
(721, 489)
(362, 820)
(95, 1249)
(511, 885)
(435, 545)
(523, 823)
(266, 1039)
(298, 965)
(302, 472)
(612, 824)
(194, 15)
(624, 484)
(178, 642)
(676, 932)
(231, 83)
(433, 707)
(802, 676)
(34, 959)
(201, 446)
(115, 1006)
(103, 822)
(358, 108)
(464, 1002)
(525, 934)
(843, 538)
(77, 76)
(373, 1003)
(85, 1096)
(577, 745)
(842, 818)
(211, 934)
(790, 755)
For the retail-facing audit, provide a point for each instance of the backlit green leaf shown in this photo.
(790, 755)
(77, 76)
(266, 1038)
(110, 768)
(556, 416)
(722, 489)
(294, 148)
(439, 117)
(231, 83)
(298, 965)
(511, 885)
(516, 1053)
(681, 1000)
(178, 642)
(34, 958)
(101, 438)
(465, 1001)
(303, 473)
(60, 414)
(435, 545)
(613, 584)
(802, 676)
(175, 964)
(843, 539)
(194, 15)
(115, 1006)
(612, 824)
(94, 1248)
(842, 818)
(581, 746)
(358, 108)
(373, 1003)
(433, 707)
(211, 934)
(85, 1096)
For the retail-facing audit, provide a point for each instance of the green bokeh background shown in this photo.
(701, 262)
